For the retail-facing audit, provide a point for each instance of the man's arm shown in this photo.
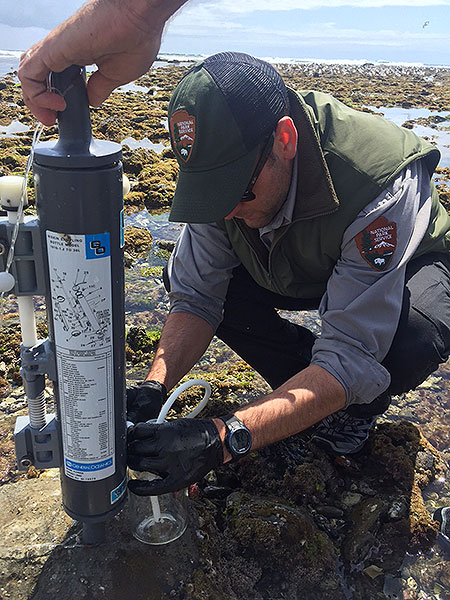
(122, 37)
(300, 402)
(184, 339)
(361, 308)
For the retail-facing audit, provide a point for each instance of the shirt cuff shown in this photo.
(183, 306)
(362, 377)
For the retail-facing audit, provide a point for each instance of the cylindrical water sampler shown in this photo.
(79, 195)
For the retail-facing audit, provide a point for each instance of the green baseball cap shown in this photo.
(219, 114)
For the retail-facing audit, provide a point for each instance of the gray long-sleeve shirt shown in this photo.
(361, 307)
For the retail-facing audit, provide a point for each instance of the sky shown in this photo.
(391, 30)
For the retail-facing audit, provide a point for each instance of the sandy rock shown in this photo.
(42, 557)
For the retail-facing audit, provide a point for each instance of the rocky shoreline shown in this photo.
(289, 521)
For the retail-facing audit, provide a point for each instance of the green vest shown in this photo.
(346, 158)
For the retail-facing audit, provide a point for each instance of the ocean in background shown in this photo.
(9, 61)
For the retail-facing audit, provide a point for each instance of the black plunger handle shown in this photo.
(74, 122)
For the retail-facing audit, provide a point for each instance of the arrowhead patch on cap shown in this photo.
(377, 242)
(182, 128)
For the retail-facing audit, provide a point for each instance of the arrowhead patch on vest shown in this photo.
(182, 128)
(377, 242)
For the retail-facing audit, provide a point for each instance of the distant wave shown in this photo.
(351, 62)
(14, 55)
(167, 56)
(10, 53)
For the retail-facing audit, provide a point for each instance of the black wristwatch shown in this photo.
(238, 438)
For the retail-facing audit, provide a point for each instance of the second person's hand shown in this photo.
(121, 37)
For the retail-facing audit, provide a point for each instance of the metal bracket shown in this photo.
(37, 447)
(28, 265)
(38, 360)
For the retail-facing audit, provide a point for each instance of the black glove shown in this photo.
(181, 452)
(144, 401)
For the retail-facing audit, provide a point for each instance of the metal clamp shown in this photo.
(38, 360)
(27, 266)
(37, 447)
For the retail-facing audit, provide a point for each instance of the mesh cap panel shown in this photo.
(253, 90)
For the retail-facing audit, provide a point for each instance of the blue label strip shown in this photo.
(122, 229)
(87, 467)
(119, 491)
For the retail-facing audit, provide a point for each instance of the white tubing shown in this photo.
(156, 509)
(174, 395)
(27, 321)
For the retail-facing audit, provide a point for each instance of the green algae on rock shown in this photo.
(413, 463)
(443, 186)
(141, 344)
(138, 243)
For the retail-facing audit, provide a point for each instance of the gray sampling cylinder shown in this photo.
(79, 195)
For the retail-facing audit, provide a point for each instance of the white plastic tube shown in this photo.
(27, 321)
(174, 395)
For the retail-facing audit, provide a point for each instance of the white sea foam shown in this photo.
(300, 61)
(10, 54)
(10, 59)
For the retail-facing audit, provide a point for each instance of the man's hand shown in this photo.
(181, 452)
(144, 401)
(122, 37)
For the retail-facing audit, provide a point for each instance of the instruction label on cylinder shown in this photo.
(80, 285)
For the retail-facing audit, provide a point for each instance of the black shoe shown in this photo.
(343, 434)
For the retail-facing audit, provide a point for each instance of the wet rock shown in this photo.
(397, 446)
(134, 202)
(305, 483)
(350, 499)
(214, 492)
(134, 161)
(141, 343)
(362, 535)
(138, 242)
(398, 509)
(331, 512)
(366, 489)
(284, 542)
(167, 245)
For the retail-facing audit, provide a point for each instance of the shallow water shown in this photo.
(436, 133)
(13, 128)
(132, 87)
(144, 143)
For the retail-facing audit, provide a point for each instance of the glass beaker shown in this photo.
(160, 519)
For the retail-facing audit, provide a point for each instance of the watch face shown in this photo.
(239, 440)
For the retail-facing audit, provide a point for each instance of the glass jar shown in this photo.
(160, 519)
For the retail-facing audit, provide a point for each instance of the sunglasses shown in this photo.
(267, 149)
